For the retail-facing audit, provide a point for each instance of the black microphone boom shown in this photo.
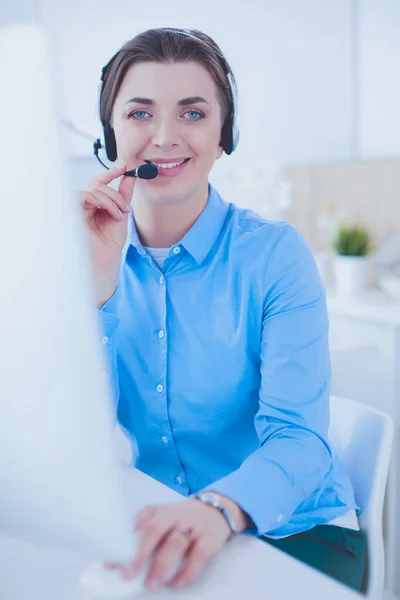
(147, 171)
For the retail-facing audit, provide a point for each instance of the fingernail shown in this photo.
(121, 214)
(154, 584)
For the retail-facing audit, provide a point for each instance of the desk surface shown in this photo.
(247, 568)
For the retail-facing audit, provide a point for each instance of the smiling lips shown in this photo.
(169, 167)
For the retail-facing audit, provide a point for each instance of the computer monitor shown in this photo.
(61, 480)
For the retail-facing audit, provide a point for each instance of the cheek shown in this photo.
(128, 145)
(206, 142)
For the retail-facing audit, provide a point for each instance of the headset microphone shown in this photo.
(147, 171)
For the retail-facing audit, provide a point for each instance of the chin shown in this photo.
(169, 190)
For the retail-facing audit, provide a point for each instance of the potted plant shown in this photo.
(352, 245)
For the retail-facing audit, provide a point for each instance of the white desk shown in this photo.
(247, 569)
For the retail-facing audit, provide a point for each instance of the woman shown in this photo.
(215, 328)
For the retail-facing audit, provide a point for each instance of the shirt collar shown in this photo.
(200, 238)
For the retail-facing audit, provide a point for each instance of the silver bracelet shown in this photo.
(212, 499)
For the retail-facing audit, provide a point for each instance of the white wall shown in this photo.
(379, 77)
(318, 79)
(292, 61)
(18, 11)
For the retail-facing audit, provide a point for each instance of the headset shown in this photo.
(229, 132)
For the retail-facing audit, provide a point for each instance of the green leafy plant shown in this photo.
(352, 240)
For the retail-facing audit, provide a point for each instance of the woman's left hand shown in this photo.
(187, 533)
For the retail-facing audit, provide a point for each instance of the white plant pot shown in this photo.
(351, 275)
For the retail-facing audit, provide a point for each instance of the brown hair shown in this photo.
(166, 45)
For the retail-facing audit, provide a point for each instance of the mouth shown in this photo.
(167, 164)
(169, 167)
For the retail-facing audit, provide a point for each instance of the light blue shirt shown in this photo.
(221, 371)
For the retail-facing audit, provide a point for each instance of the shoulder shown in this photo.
(248, 228)
(273, 250)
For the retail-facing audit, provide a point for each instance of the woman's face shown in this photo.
(169, 114)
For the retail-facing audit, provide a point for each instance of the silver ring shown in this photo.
(187, 532)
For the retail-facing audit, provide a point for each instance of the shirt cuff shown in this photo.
(268, 511)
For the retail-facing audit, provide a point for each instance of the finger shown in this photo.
(89, 200)
(150, 533)
(100, 200)
(112, 194)
(105, 202)
(197, 557)
(167, 558)
(111, 565)
(145, 513)
(126, 188)
(84, 198)
(110, 175)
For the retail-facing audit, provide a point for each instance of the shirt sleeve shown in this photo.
(109, 322)
(292, 421)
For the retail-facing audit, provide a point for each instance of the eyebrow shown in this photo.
(183, 102)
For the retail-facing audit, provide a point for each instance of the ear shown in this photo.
(219, 152)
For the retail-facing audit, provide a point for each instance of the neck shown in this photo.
(163, 224)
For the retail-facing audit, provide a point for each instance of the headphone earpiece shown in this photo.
(230, 130)
(110, 143)
(226, 136)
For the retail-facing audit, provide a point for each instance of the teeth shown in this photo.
(169, 165)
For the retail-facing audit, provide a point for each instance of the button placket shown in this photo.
(161, 333)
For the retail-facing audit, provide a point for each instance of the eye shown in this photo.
(138, 115)
(193, 115)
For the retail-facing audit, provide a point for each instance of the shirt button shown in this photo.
(179, 479)
(176, 250)
(164, 439)
(104, 340)
(161, 334)
(161, 280)
(160, 388)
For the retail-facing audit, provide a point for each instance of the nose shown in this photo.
(166, 133)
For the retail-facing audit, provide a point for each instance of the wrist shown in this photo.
(240, 517)
(237, 519)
